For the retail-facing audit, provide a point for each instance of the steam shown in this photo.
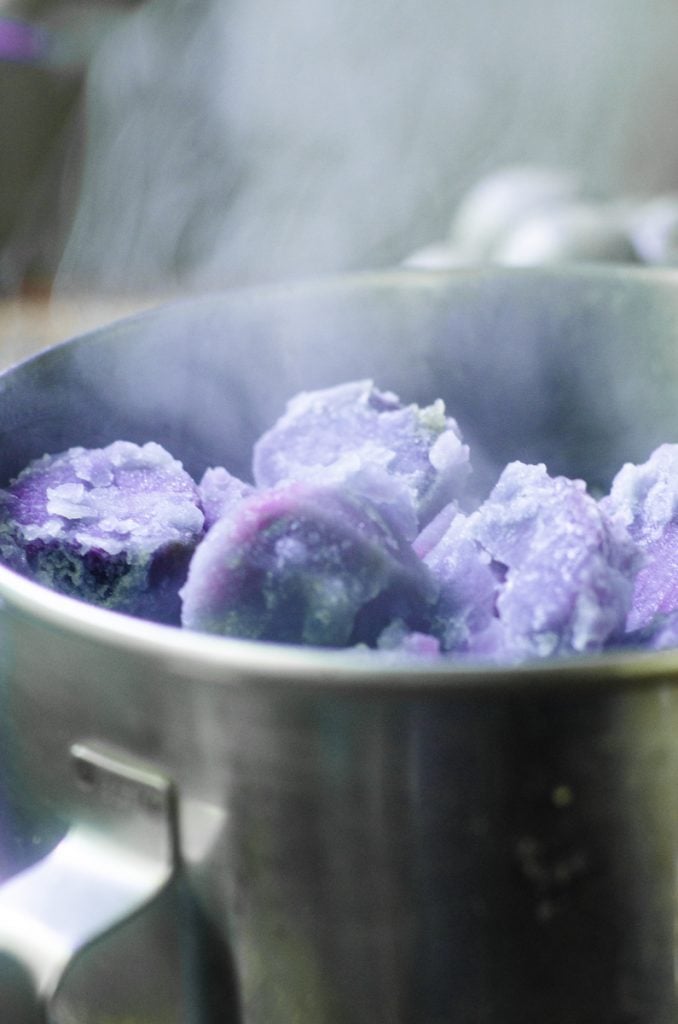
(239, 142)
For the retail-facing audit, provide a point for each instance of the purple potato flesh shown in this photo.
(644, 498)
(397, 637)
(662, 633)
(305, 564)
(366, 439)
(538, 570)
(115, 526)
(220, 492)
(468, 585)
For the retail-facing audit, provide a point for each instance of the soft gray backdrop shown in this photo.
(239, 140)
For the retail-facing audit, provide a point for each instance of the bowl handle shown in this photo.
(121, 856)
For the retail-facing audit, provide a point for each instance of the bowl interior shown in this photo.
(576, 368)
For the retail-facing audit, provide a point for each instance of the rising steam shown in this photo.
(230, 143)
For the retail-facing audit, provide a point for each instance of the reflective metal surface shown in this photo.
(95, 878)
(367, 840)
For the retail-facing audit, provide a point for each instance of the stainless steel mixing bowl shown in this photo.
(343, 838)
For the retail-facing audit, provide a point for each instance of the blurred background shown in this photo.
(169, 146)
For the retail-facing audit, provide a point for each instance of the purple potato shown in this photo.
(397, 637)
(659, 634)
(644, 499)
(538, 570)
(662, 633)
(220, 492)
(115, 526)
(305, 564)
(468, 585)
(368, 441)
